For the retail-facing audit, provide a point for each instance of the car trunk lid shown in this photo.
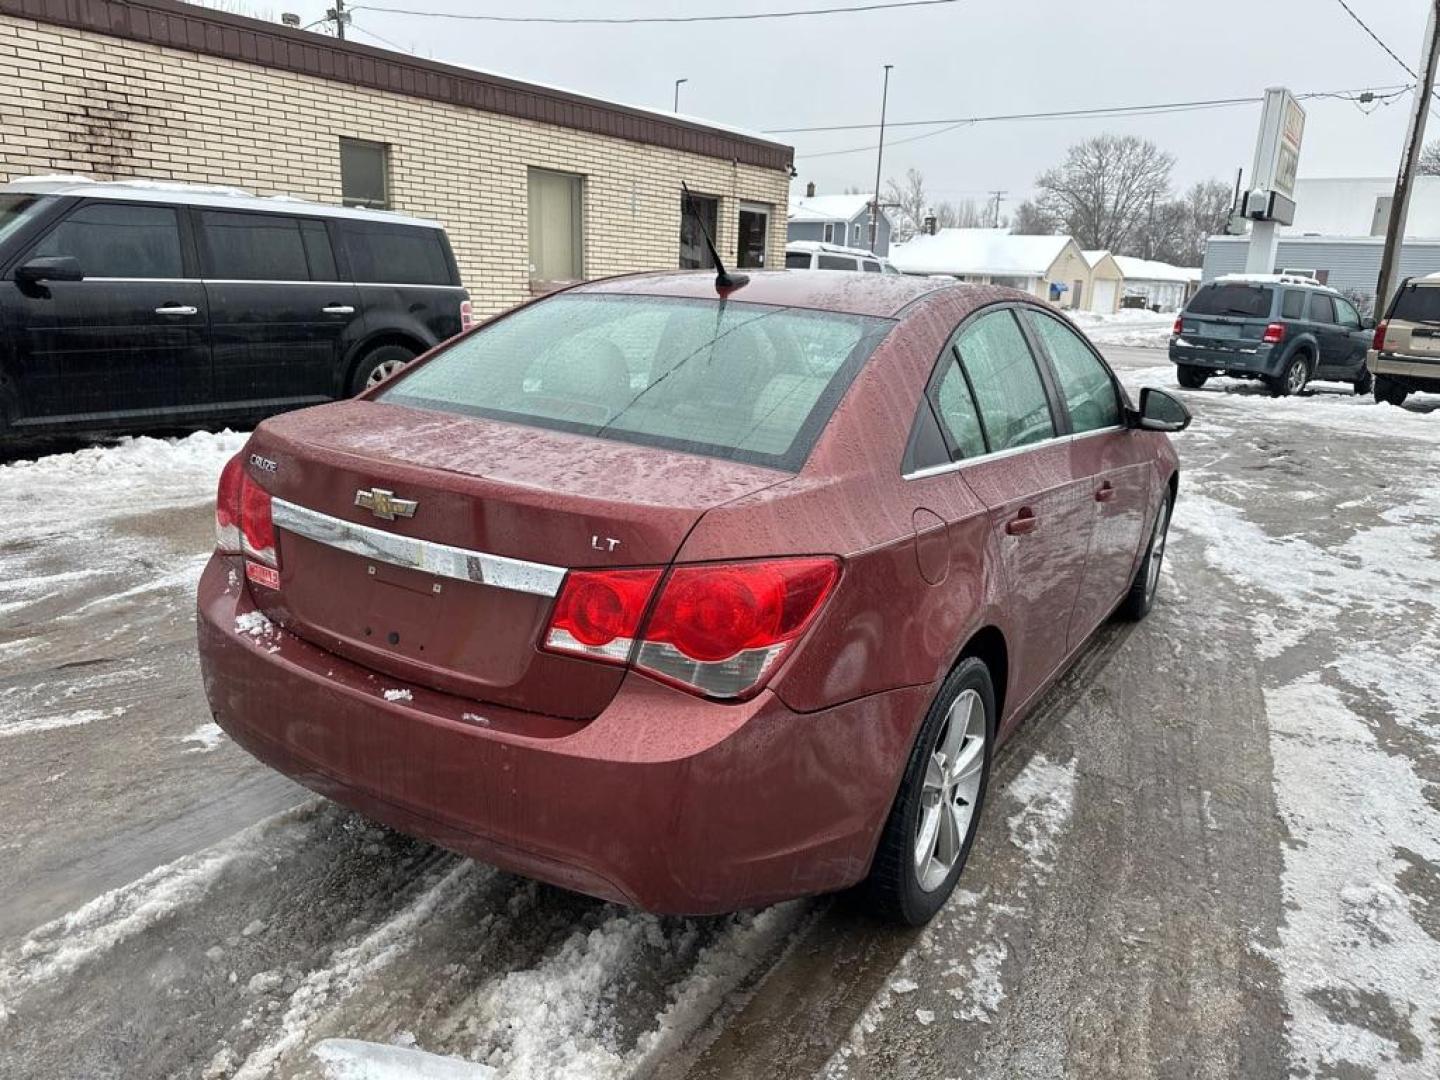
(444, 573)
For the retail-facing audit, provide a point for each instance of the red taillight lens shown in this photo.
(1379, 342)
(1274, 333)
(257, 529)
(467, 315)
(227, 507)
(719, 629)
(598, 613)
(1179, 326)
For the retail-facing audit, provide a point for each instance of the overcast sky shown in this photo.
(973, 57)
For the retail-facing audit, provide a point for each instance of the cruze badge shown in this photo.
(384, 504)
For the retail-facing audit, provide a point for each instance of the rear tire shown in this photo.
(1293, 379)
(379, 364)
(1141, 597)
(1191, 378)
(1364, 382)
(1389, 391)
(944, 782)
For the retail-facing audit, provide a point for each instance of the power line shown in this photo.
(1375, 37)
(634, 20)
(382, 40)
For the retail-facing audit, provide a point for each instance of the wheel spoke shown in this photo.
(934, 774)
(957, 725)
(928, 837)
(947, 844)
(969, 761)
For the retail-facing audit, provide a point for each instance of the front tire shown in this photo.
(379, 364)
(932, 824)
(1191, 378)
(1364, 382)
(1141, 597)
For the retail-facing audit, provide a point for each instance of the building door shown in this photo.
(1077, 293)
(698, 215)
(754, 230)
(1102, 297)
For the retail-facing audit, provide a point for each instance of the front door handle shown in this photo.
(1106, 492)
(1022, 523)
(177, 309)
(338, 309)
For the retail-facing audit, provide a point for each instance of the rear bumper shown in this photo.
(664, 801)
(1248, 360)
(1413, 372)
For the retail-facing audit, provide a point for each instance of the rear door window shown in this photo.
(835, 262)
(870, 266)
(1293, 306)
(253, 247)
(118, 240)
(955, 406)
(1417, 303)
(1090, 393)
(1322, 309)
(395, 254)
(744, 382)
(1013, 405)
(1235, 299)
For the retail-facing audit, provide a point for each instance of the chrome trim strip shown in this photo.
(965, 463)
(266, 281)
(441, 560)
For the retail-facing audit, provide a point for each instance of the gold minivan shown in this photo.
(1405, 356)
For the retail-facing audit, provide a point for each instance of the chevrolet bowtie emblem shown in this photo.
(384, 504)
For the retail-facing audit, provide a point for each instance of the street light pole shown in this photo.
(677, 93)
(879, 157)
(1405, 178)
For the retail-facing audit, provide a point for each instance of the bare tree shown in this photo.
(1031, 220)
(1103, 192)
(910, 204)
(1430, 159)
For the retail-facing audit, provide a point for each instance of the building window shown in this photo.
(555, 228)
(699, 212)
(364, 173)
(829, 232)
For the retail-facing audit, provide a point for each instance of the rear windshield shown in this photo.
(15, 208)
(1417, 304)
(743, 382)
(1232, 299)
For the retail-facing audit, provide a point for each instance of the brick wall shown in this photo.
(78, 102)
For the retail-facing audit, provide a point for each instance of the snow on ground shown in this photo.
(206, 737)
(353, 1059)
(1132, 327)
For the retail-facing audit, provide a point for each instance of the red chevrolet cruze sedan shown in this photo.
(693, 599)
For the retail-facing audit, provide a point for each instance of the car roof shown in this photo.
(226, 198)
(882, 295)
(838, 249)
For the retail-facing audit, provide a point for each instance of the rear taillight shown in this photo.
(1179, 327)
(243, 523)
(467, 315)
(718, 630)
(1379, 342)
(1274, 333)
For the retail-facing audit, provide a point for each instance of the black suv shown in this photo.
(1281, 329)
(144, 305)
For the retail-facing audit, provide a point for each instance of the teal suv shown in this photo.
(1281, 329)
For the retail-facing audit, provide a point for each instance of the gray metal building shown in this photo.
(1350, 264)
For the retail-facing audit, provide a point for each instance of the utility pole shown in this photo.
(879, 157)
(996, 197)
(1409, 159)
(339, 16)
(677, 93)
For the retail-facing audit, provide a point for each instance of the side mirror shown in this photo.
(50, 268)
(1367, 323)
(1160, 411)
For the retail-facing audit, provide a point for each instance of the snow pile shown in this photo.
(206, 737)
(352, 1059)
(1047, 791)
(1133, 327)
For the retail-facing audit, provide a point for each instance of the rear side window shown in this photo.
(395, 254)
(1013, 405)
(1293, 306)
(1233, 298)
(743, 382)
(119, 240)
(835, 262)
(1417, 303)
(1322, 308)
(263, 247)
(870, 266)
(797, 260)
(1090, 394)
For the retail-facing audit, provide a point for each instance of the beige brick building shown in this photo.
(532, 184)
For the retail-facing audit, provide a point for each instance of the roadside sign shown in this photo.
(1277, 150)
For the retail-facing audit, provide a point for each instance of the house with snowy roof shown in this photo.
(1050, 267)
(1159, 285)
(837, 219)
(1106, 281)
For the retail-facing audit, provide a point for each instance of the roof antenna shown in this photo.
(723, 279)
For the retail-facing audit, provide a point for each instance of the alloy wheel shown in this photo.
(383, 371)
(1297, 376)
(951, 790)
(1157, 548)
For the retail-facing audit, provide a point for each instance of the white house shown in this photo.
(1103, 296)
(1050, 267)
(837, 219)
(1163, 287)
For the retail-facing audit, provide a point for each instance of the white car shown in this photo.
(814, 255)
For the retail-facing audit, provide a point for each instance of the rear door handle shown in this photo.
(1022, 523)
(338, 309)
(177, 309)
(1106, 492)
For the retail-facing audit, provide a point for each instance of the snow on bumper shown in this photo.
(664, 801)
